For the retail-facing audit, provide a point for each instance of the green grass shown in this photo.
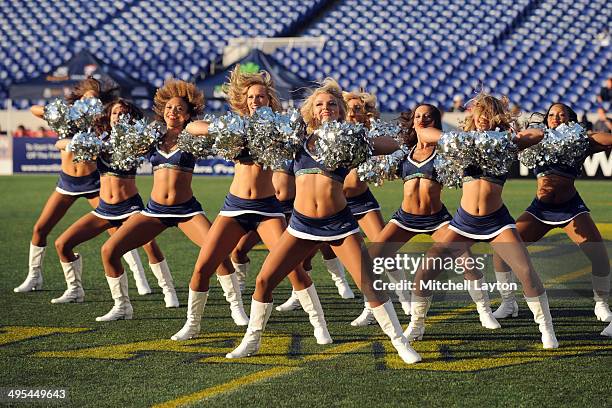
(507, 367)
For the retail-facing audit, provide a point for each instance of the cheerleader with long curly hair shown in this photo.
(250, 205)
(172, 204)
(320, 214)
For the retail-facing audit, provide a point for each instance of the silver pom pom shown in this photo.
(341, 144)
(229, 132)
(129, 142)
(492, 151)
(496, 151)
(378, 128)
(56, 115)
(84, 111)
(567, 144)
(199, 146)
(378, 169)
(85, 146)
(274, 138)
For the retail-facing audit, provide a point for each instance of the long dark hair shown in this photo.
(406, 122)
(572, 116)
(102, 123)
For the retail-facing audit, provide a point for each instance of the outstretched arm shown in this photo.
(38, 111)
(197, 128)
(528, 137)
(600, 142)
(429, 135)
(384, 145)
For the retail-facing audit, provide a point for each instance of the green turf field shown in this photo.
(133, 363)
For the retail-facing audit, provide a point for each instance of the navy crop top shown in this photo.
(306, 163)
(559, 169)
(410, 169)
(177, 159)
(244, 156)
(287, 168)
(106, 169)
(474, 172)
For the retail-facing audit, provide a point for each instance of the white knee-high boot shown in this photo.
(165, 282)
(419, 308)
(601, 294)
(398, 277)
(508, 306)
(483, 304)
(309, 299)
(336, 270)
(387, 319)
(195, 308)
(122, 308)
(366, 317)
(132, 258)
(541, 315)
(72, 274)
(292, 303)
(260, 313)
(231, 289)
(242, 271)
(607, 331)
(34, 280)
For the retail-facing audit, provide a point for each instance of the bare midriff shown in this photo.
(318, 196)
(481, 197)
(251, 181)
(422, 197)
(555, 189)
(171, 186)
(76, 169)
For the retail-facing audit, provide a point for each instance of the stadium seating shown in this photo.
(405, 51)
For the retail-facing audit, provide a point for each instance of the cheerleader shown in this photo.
(422, 211)
(361, 108)
(283, 180)
(119, 199)
(320, 214)
(172, 204)
(251, 205)
(482, 216)
(75, 180)
(558, 205)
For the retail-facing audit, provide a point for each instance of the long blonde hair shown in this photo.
(496, 110)
(328, 86)
(238, 87)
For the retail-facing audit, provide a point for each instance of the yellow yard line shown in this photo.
(570, 276)
(226, 387)
(260, 376)
(325, 355)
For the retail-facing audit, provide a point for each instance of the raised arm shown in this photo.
(197, 128)
(528, 137)
(38, 111)
(600, 142)
(384, 145)
(429, 135)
